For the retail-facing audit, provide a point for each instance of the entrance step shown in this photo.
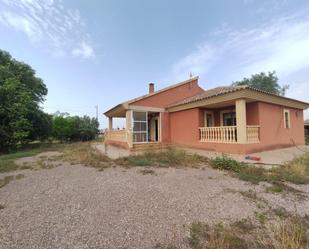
(149, 146)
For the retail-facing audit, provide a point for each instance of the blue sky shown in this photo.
(104, 52)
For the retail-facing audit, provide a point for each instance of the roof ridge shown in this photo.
(162, 90)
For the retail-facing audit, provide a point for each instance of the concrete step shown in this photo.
(149, 146)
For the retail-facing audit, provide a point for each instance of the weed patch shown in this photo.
(147, 171)
(7, 161)
(168, 158)
(289, 233)
(295, 171)
(83, 153)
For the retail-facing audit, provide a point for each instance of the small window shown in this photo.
(208, 119)
(286, 116)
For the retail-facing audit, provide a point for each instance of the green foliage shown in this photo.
(266, 82)
(226, 163)
(7, 161)
(21, 92)
(295, 171)
(75, 128)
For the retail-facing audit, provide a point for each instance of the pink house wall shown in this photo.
(272, 131)
(171, 96)
(184, 128)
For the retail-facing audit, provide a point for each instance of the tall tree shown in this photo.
(266, 82)
(21, 92)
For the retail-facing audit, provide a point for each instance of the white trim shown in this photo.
(145, 108)
(140, 132)
(212, 116)
(223, 112)
(289, 119)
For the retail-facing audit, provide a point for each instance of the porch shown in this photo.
(142, 129)
(232, 122)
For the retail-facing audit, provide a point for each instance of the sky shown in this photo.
(103, 52)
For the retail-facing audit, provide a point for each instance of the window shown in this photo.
(286, 116)
(208, 119)
(140, 127)
(228, 118)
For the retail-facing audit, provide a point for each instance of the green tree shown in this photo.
(21, 92)
(68, 129)
(266, 82)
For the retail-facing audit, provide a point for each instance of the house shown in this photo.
(306, 131)
(232, 119)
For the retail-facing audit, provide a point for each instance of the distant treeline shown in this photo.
(21, 118)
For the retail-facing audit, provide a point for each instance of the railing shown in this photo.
(253, 133)
(228, 134)
(120, 135)
(219, 134)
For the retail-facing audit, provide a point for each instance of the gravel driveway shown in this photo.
(72, 206)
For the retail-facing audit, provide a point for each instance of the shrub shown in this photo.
(226, 163)
(295, 171)
(85, 154)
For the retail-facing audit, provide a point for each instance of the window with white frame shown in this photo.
(286, 118)
(228, 118)
(140, 127)
(209, 119)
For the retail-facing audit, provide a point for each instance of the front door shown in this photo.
(153, 129)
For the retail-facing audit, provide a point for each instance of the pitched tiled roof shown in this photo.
(221, 90)
(154, 93)
(210, 93)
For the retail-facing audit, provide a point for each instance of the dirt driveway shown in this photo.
(72, 206)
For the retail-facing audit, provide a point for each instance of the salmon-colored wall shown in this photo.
(171, 96)
(252, 114)
(120, 144)
(165, 127)
(272, 131)
(184, 128)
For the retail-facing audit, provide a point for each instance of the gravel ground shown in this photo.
(72, 206)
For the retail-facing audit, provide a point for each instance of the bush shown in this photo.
(226, 163)
(68, 129)
(295, 171)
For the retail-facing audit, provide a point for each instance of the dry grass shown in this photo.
(147, 171)
(83, 153)
(7, 179)
(7, 161)
(295, 171)
(287, 234)
(167, 158)
(290, 233)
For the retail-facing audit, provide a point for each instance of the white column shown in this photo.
(241, 121)
(129, 128)
(110, 123)
(128, 120)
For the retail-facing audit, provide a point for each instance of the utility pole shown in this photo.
(97, 111)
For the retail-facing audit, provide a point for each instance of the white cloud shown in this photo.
(281, 45)
(48, 23)
(197, 62)
(84, 50)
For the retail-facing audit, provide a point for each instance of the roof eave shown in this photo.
(249, 93)
(117, 111)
